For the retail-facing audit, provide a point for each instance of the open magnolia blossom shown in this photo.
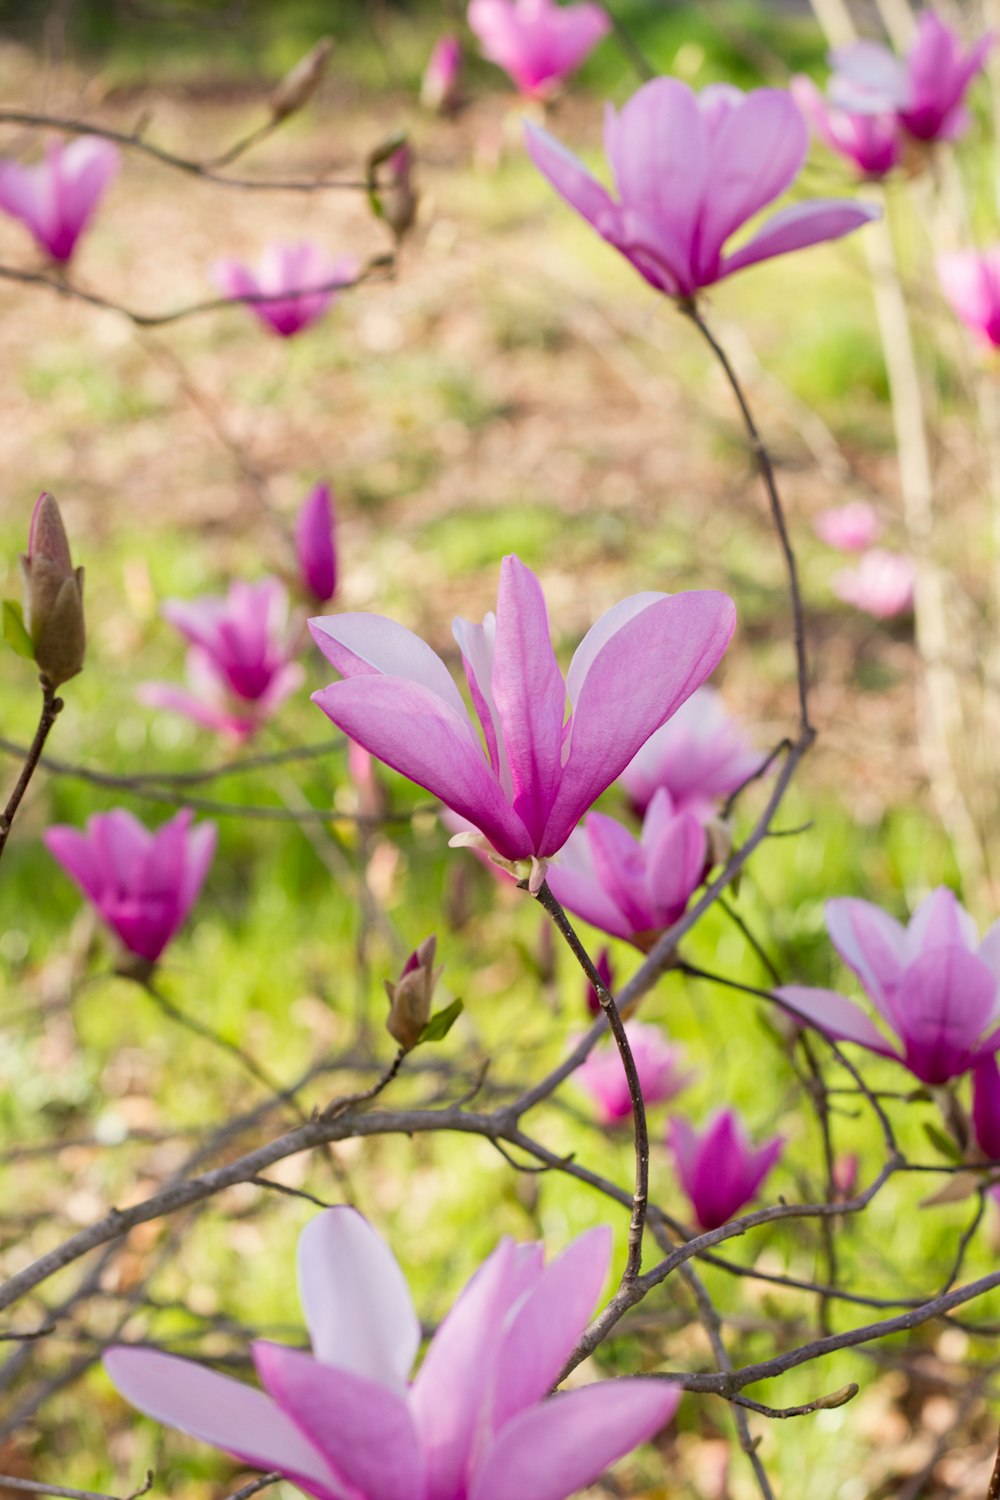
(871, 142)
(238, 666)
(718, 1167)
(657, 1063)
(474, 1423)
(932, 983)
(882, 583)
(627, 887)
(142, 883)
(299, 282)
(970, 280)
(56, 199)
(632, 670)
(537, 42)
(690, 169)
(699, 756)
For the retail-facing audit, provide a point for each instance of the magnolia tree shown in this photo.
(492, 1402)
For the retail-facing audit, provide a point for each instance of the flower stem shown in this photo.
(51, 709)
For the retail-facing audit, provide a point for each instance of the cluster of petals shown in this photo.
(871, 142)
(238, 666)
(719, 1169)
(291, 287)
(699, 756)
(315, 547)
(970, 280)
(628, 887)
(691, 169)
(542, 770)
(57, 198)
(142, 883)
(853, 527)
(342, 1423)
(537, 42)
(882, 584)
(657, 1063)
(933, 984)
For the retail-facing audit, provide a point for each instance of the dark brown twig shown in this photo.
(51, 709)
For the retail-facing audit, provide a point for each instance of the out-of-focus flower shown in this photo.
(299, 282)
(606, 974)
(927, 90)
(536, 42)
(882, 584)
(411, 995)
(298, 86)
(701, 755)
(932, 983)
(872, 143)
(986, 1107)
(971, 282)
(632, 670)
(689, 170)
(315, 546)
(53, 595)
(57, 198)
(849, 528)
(393, 194)
(143, 884)
(440, 89)
(238, 666)
(718, 1168)
(476, 1423)
(844, 1175)
(632, 888)
(657, 1063)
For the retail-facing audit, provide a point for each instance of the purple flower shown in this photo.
(849, 528)
(882, 584)
(302, 269)
(719, 1170)
(689, 170)
(927, 91)
(440, 87)
(971, 283)
(476, 1423)
(632, 888)
(143, 884)
(656, 1062)
(872, 143)
(315, 547)
(932, 983)
(536, 42)
(632, 670)
(57, 198)
(700, 756)
(238, 666)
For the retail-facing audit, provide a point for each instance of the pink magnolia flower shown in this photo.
(872, 143)
(849, 528)
(57, 198)
(441, 86)
(932, 983)
(927, 90)
(632, 670)
(690, 169)
(143, 884)
(971, 282)
(719, 1170)
(699, 756)
(315, 547)
(300, 281)
(536, 42)
(882, 584)
(656, 1062)
(632, 888)
(238, 665)
(475, 1423)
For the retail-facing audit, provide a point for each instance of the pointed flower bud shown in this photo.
(441, 88)
(53, 595)
(298, 86)
(314, 544)
(410, 997)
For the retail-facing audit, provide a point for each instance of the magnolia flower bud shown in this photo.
(298, 86)
(441, 85)
(393, 195)
(410, 997)
(53, 596)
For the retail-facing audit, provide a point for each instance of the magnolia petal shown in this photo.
(835, 1016)
(658, 149)
(753, 155)
(797, 227)
(355, 1298)
(946, 998)
(566, 173)
(361, 644)
(872, 944)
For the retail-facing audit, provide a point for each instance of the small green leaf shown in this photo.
(441, 1022)
(943, 1142)
(15, 631)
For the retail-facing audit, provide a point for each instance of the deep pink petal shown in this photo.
(658, 149)
(72, 849)
(940, 921)
(986, 1107)
(566, 173)
(574, 883)
(674, 868)
(872, 944)
(362, 644)
(798, 226)
(946, 998)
